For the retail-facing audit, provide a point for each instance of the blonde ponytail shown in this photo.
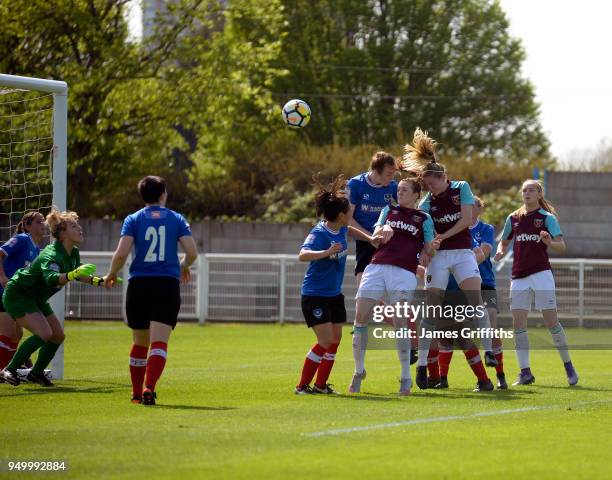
(420, 157)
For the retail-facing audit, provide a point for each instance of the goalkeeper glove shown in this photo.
(97, 281)
(86, 270)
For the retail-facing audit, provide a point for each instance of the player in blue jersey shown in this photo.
(369, 193)
(18, 252)
(323, 307)
(153, 296)
(483, 242)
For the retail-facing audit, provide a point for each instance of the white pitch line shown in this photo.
(418, 421)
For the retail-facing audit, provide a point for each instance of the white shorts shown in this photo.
(461, 263)
(540, 285)
(377, 280)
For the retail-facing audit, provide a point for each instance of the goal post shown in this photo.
(58, 166)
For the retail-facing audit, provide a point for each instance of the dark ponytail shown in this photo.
(27, 220)
(330, 200)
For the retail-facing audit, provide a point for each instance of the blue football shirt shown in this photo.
(369, 199)
(156, 231)
(20, 251)
(482, 233)
(324, 277)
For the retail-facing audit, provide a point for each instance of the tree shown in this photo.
(199, 100)
(135, 108)
(377, 69)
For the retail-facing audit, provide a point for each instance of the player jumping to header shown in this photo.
(450, 205)
(369, 193)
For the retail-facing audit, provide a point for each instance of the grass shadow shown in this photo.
(377, 397)
(28, 389)
(194, 407)
(96, 382)
(496, 395)
(575, 387)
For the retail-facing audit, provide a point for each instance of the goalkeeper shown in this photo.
(27, 292)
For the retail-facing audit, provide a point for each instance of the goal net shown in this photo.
(26, 149)
(33, 136)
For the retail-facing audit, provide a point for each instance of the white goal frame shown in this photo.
(59, 168)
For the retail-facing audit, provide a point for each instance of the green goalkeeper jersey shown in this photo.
(40, 280)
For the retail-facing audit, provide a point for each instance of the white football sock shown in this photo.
(403, 353)
(558, 336)
(484, 321)
(521, 342)
(424, 343)
(360, 343)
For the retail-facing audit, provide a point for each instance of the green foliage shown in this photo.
(374, 70)
(292, 198)
(199, 84)
(499, 204)
(283, 205)
(198, 100)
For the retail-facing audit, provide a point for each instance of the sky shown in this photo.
(567, 45)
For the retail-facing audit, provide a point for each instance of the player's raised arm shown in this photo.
(307, 255)
(506, 240)
(552, 236)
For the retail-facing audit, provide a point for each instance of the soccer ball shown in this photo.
(296, 113)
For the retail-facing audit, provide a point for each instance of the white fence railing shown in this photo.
(266, 288)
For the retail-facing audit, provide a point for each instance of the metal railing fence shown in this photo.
(266, 288)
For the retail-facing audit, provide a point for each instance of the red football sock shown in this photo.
(473, 358)
(156, 363)
(499, 356)
(432, 363)
(7, 350)
(444, 361)
(326, 365)
(311, 364)
(138, 367)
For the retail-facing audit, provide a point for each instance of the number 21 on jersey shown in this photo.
(157, 248)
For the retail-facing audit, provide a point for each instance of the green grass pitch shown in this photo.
(226, 409)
